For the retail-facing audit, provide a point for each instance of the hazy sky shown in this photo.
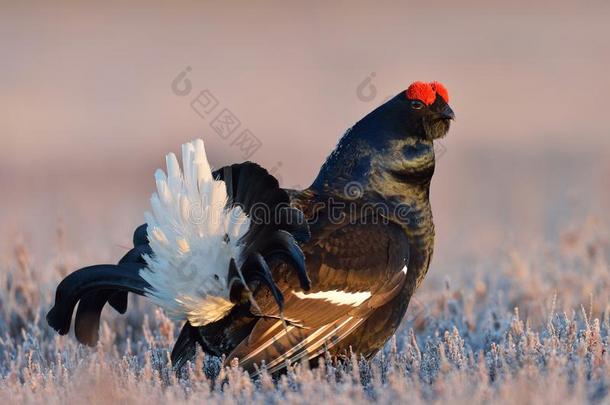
(86, 91)
(89, 85)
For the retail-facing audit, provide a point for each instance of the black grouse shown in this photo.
(264, 274)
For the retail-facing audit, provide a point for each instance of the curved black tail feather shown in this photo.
(93, 279)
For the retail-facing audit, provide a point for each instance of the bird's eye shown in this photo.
(417, 105)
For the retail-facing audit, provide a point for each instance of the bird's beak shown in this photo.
(447, 113)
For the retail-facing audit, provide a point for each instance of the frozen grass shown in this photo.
(528, 326)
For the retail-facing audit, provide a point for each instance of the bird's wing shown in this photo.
(354, 270)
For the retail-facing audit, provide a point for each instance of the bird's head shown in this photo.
(394, 143)
(420, 112)
(426, 109)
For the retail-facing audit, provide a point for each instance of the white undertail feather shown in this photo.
(193, 238)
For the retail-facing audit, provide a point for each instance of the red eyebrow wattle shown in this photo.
(426, 92)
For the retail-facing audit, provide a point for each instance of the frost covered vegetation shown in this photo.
(522, 327)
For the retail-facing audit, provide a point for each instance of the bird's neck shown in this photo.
(352, 160)
(348, 163)
(394, 171)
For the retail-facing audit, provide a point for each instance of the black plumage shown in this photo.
(334, 270)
